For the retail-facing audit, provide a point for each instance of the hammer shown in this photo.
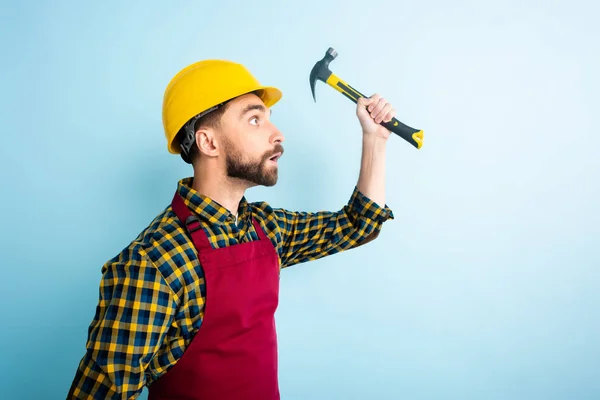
(322, 72)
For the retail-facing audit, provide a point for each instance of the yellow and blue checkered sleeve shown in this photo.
(133, 315)
(306, 236)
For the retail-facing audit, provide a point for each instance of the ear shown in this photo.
(206, 140)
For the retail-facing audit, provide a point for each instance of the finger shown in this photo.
(379, 110)
(364, 102)
(375, 108)
(384, 113)
(389, 115)
(373, 100)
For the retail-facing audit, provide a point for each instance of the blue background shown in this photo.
(485, 286)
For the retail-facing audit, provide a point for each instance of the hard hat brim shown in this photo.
(270, 95)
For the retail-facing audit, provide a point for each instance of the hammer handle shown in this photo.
(411, 135)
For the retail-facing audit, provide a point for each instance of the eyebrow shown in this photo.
(251, 107)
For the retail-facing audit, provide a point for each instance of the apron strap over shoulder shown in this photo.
(191, 223)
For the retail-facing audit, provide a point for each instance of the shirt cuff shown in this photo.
(362, 205)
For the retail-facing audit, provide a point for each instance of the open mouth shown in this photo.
(275, 157)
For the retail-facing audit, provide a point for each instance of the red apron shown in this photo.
(233, 355)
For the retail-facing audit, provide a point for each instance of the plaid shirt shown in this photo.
(152, 293)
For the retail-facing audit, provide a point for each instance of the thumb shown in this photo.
(365, 101)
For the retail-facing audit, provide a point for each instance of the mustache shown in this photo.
(278, 149)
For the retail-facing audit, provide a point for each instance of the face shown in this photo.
(251, 143)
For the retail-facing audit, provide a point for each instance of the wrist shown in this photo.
(372, 140)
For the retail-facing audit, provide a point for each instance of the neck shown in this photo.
(216, 185)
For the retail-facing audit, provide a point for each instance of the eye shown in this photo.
(254, 120)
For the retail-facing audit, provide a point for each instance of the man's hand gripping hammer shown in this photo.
(321, 72)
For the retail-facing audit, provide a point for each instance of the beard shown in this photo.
(256, 172)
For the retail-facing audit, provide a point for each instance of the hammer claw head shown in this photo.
(320, 71)
(313, 81)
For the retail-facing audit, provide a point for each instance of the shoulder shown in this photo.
(268, 216)
(261, 208)
(272, 215)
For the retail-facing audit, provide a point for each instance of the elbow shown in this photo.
(369, 238)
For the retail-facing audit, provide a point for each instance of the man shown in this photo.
(187, 309)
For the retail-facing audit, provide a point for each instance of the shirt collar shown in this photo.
(208, 209)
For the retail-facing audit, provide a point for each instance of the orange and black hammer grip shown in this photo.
(411, 135)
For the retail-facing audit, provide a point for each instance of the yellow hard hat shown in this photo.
(203, 85)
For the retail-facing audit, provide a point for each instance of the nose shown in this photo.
(276, 135)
